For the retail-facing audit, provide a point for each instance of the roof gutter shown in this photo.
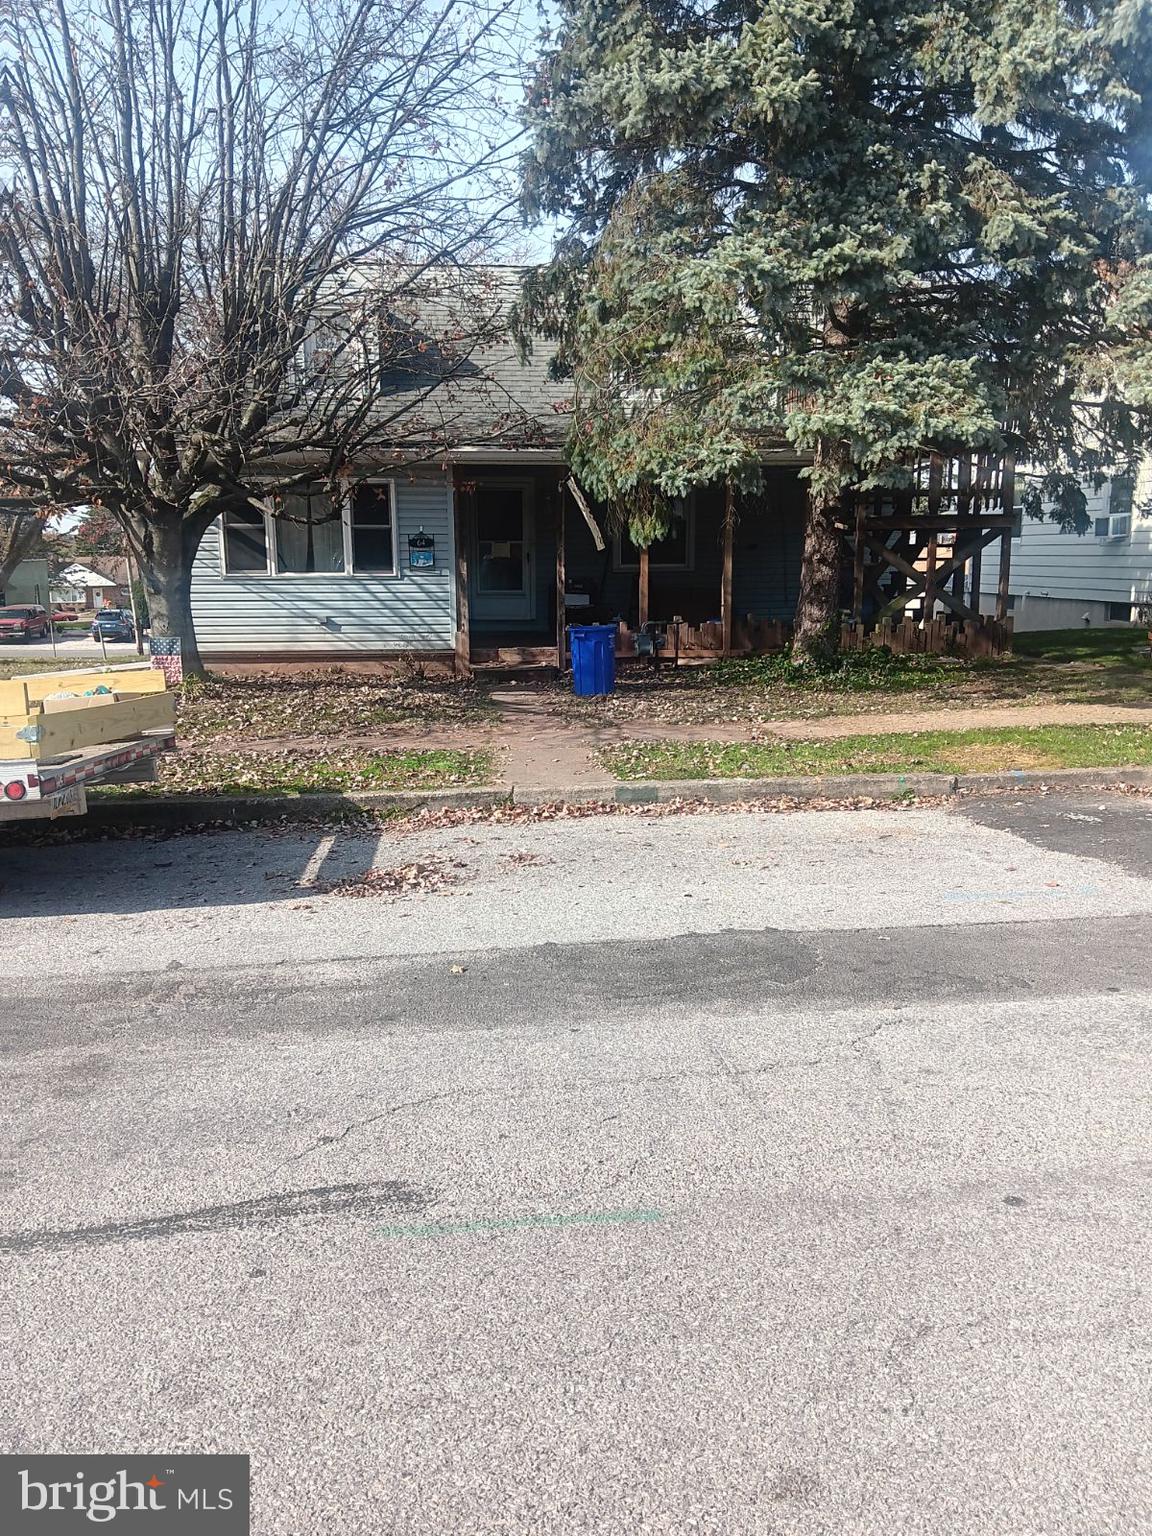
(481, 455)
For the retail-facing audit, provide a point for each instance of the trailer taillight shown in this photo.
(16, 789)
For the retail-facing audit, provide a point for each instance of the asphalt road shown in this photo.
(717, 1173)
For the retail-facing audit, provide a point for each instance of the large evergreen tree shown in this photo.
(861, 228)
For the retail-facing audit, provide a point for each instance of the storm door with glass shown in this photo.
(502, 567)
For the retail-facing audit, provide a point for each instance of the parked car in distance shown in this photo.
(113, 624)
(66, 615)
(26, 621)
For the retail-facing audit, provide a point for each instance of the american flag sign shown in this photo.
(165, 653)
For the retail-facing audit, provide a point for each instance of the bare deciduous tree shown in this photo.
(215, 217)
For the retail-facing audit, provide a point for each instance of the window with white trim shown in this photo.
(311, 533)
(308, 531)
(674, 552)
(245, 541)
(372, 528)
(1118, 522)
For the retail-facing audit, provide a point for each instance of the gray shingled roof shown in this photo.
(456, 359)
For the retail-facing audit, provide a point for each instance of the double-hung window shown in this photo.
(1118, 522)
(673, 552)
(309, 532)
(245, 540)
(372, 529)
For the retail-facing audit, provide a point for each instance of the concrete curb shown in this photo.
(871, 786)
(879, 786)
(174, 812)
(1053, 778)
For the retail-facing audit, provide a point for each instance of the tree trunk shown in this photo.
(165, 560)
(817, 637)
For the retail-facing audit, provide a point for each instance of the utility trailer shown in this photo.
(63, 732)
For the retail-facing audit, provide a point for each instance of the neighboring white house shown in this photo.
(79, 587)
(1074, 581)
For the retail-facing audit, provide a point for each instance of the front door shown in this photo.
(502, 586)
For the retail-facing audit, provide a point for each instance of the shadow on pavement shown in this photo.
(155, 874)
(1114, 827)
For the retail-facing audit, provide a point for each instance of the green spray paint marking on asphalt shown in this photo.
(513, 1223)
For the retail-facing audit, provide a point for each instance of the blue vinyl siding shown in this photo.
(768, 548)
(336, 613)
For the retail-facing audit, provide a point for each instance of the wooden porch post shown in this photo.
(976, 505)
(1007, 506)
(963, 479)
(462, 503)
(726, 572)
(561, 633)
(642, 616)
(935, 489)
(858, 553)
(930, 570)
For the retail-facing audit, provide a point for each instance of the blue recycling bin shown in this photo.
(593, 658)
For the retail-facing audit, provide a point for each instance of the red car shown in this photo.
(26, 622)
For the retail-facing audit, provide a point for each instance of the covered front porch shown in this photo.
(528, 565)
(532, 557)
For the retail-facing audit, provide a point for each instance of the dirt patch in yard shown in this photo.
(986, 757)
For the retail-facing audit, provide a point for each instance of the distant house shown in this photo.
(79, 586)
(1068, 580)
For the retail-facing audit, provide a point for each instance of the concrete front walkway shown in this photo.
(539, 749)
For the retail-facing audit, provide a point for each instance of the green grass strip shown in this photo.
(958, 751)
(515, 1223)
(203, 771)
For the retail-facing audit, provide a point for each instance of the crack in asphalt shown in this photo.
(860, 1040)
(367, 1199)
(725, 1070)
(358, 1125)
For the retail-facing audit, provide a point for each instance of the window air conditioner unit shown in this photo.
(1118, 525)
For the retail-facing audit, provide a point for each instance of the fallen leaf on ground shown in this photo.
(403, 880)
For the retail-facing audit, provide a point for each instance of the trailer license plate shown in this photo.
(66, 802)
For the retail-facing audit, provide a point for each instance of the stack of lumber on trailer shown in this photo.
(50, 714)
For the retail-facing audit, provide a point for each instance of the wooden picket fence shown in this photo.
(760, 637)
(936, 637)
